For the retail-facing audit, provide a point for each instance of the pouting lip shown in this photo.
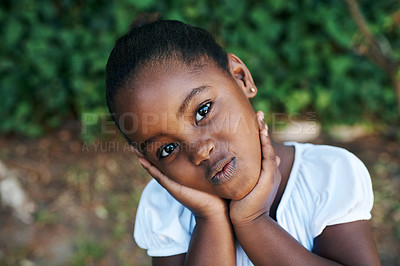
(218, 167)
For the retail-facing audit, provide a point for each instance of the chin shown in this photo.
(244, 191)
(240, 195)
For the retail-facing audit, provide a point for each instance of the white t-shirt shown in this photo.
(327, 186)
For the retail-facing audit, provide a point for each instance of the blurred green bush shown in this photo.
(301, 54)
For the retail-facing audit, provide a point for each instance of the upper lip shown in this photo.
(218, 166)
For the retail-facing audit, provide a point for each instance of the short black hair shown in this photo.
(157, 42)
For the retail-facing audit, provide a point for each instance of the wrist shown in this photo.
(221, 216)
(249, 221)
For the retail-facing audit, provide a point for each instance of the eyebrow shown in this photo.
(189, 97)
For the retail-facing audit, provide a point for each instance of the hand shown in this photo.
(201, 204)
(258, 202)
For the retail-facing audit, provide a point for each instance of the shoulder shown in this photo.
(163, 226)
(328, 155)
(340, 185)
(327, 186)
(329, 165)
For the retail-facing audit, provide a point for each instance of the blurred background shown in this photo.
(326, 71)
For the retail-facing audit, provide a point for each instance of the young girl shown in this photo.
(222, 193)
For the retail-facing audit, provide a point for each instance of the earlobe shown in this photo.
(241, 75)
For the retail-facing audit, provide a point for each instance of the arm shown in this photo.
(266, 243)
(346, 244)
(212, 242)
(169, 261)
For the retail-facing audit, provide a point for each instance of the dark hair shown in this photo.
(157, 42)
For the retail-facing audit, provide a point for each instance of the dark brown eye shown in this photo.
(167, 150)
(202, 111)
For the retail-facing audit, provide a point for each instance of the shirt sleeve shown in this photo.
(347, 194)
(163, 226)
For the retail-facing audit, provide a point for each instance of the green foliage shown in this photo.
(46, 217)
(301, 54)
(88, 252)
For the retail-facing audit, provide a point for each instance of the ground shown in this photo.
(85, 196)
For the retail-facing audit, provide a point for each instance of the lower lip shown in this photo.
(226, 173)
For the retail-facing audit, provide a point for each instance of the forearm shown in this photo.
(266, 243)
(212, 242)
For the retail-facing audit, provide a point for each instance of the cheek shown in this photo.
(242, 119)
(248, 178)
(186, 174)
(249, 151)
(245, 133)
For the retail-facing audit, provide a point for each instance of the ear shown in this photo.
(241, 75)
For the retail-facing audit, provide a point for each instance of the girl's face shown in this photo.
(196, 125)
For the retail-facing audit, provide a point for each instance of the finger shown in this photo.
(138, 153)
(270, 162)
(173, 187)
(260, 120)
(270, 177)
(269, 159)
(266, 144)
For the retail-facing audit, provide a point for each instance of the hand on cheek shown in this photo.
(201, 204)
(258, 202)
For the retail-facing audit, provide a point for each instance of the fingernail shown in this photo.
(265, 132)
(260, 116)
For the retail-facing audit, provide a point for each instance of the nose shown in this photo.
(203, 150)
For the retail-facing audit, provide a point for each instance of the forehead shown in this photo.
(164, 86)
(170, 71)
